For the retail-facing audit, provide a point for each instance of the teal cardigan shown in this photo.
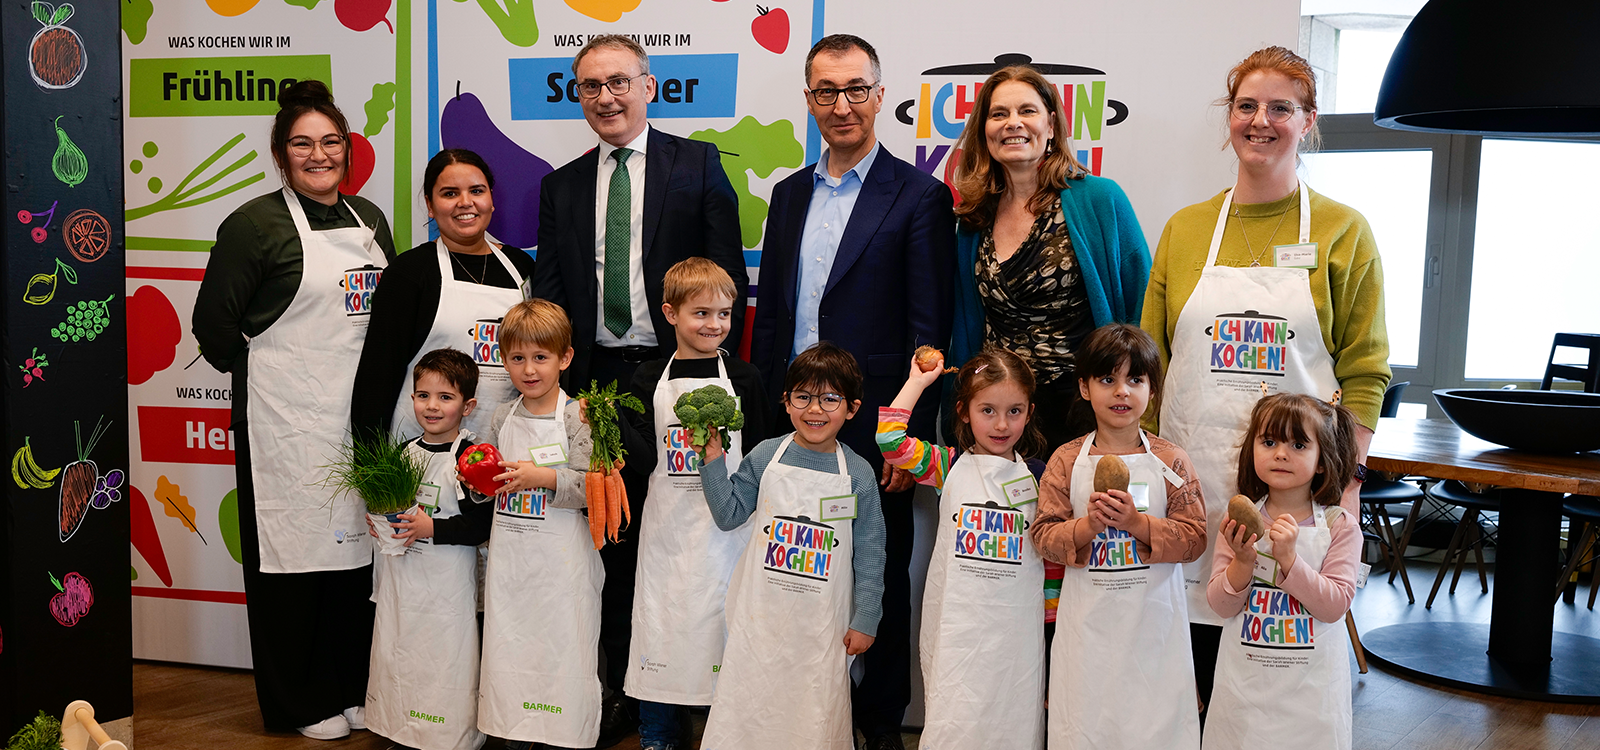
(1111, 252)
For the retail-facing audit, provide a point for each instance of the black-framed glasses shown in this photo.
(617, 86)
(332, 145)
(830, 402)
(852, 94)
(1278, 110)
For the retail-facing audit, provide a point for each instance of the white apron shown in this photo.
(785, 682)
(982, 637)
(1243, 330)
(468, 321)
(1281, 672)
(1122, 674)
(684, 564)
(301, 374)
(423, 689)
(541, 617)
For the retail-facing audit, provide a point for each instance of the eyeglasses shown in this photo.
(617, 86)
(332, 145)
(852, 94)
(1277, 111)
(830, 402)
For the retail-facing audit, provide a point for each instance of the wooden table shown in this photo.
(1518, 653)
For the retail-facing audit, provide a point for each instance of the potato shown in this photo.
(927, 357)
(1244, 512)
(1110, 474)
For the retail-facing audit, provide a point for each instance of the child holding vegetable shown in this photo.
(982, 640)
(542, 591)
(1282, 670)
(425, 637)
(684, 559)
(1122, 510)
(807, 592)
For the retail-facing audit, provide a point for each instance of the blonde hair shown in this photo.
(693, 276)
(536, 322)
(981, 181)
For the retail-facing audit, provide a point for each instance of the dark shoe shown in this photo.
(889, 741)
(619, 719)
(685, 727)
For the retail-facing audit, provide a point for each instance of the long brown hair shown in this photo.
(1284, 417)
(992, 365)
(981, 181)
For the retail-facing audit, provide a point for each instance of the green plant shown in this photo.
(43, 733)
(378, 469)
(600, 408)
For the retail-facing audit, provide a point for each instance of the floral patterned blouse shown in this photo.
(1035, 302)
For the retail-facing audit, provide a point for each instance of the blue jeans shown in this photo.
(658, 724)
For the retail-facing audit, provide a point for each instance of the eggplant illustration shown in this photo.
(465, 123)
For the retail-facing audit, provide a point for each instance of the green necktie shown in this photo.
(619, 220)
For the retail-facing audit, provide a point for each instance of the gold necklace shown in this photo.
(1255, 257)
(485, 271)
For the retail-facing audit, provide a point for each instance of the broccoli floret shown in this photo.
(688, 416)
(716, 413)
(736, 422)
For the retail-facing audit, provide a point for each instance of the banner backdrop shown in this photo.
(494, 76)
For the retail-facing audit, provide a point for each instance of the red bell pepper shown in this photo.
(480, 464)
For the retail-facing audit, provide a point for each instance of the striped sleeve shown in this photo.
(928, 463)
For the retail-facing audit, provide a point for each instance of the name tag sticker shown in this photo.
(527, 288)
(838, 508)
(1020, 491)
(428, 497)
(1140, 492)
(548, 455)
(1266, 569)
(1361, 575)
(1296, 256)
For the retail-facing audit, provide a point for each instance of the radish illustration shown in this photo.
(771, 29)
(360, 15)
(358, 164)
(74, 601)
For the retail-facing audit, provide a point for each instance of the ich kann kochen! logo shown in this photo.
(947, 92)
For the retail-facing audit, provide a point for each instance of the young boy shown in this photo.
(807, 592)
(684, 559)
(422, 691)
(542, 591)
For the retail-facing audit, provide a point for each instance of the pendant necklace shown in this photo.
(1255, 257)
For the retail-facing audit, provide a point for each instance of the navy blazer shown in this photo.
(689, 209)
(890, 289)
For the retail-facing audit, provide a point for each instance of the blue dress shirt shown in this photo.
(832, 201)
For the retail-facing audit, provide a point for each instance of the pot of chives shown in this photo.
(386, 476)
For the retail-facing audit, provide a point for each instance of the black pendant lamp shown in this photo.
(1495, 68)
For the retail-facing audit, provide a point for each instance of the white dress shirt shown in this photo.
(642, 331)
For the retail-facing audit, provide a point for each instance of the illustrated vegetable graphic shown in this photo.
(705, 409)
(231, 7)
(928, 358)
(358, 165)
(74, 600)
(1111, 473)
(480, 464)
(1244, 513)
(154, 332)
(603, 10)
(69, 164)
(180, 197)
(56, 57)
(175, 505)
(26, 472)
(85, 320)
(752, 148)
(33, 368)
(79, 483)
(465, 123)
(608, 505)
(136, 19)
(771, 29)
(360, 15)
(87, 235)
(42, 287)
(517, 21)
(39, 233)
(228, 524)
(379, 470)
(142, 532)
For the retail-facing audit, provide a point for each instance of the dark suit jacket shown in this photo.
(689, 209)
(890, 289)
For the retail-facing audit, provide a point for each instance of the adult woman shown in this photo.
(450, 292)
(1268, 286)
(285, 293)
(1045, 252)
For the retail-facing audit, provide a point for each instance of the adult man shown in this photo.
(860, 251)
(611, 222)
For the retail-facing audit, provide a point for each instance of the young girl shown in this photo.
(982, 639)
(1123, 676)
(1282, 667)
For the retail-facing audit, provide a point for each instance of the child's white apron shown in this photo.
(541, 617)
(785, 682)
(982, 636)
(1122, 674)
(685, 561)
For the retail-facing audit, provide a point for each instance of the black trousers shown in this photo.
(1204, 641)
(1061, 412)
(620, 559)
(310, 633)
(880, 700)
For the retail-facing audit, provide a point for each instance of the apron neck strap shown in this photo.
(838, 452)
(446, 274)
(560, 412)
(1222, 221)
(722, 369)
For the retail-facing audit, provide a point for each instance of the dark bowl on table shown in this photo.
(1534, 421)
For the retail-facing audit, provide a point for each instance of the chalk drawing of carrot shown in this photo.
(182, 196)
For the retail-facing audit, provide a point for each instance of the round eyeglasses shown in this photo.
(1278, 110)
(830, 402)
(332, 145)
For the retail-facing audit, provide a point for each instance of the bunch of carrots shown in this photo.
(603, 488)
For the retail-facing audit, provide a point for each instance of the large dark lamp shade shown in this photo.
(1496, 68)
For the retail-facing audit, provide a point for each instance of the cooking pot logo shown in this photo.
(358, 285)
(989, 532)
(1250, 343)
(798, 546)
(485, 335)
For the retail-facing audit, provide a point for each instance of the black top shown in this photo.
(403, 308)
(638, 430)
(471, 528)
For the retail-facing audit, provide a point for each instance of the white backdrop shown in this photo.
(480, 75)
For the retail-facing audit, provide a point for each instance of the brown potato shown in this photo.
(1244, 512)
(1110, 474)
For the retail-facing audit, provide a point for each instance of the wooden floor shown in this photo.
(180, 707)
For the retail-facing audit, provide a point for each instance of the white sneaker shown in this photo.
(332, 728)
(356, 717)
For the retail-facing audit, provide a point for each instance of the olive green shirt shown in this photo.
(254, 273)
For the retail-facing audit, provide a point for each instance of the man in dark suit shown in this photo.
(611, 222)
(860, 251)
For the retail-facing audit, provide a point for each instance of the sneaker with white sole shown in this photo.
(356, 716)
(332, 728)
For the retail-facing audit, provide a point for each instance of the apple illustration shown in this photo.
(74, 601)
(771, 29)
(360, 15)
(465, 123)
(358, 168)
(154, 333)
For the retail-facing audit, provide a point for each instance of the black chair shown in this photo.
(1383, 499)
(1588, 375)
(1584, 516)
(1469, 535)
